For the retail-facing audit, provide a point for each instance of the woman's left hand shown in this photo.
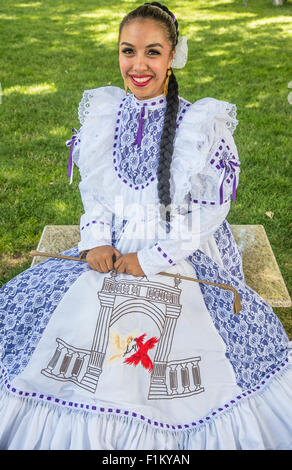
(129, 264)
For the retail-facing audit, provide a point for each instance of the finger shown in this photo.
(117, 254)
(103, 265)
(100, 270)
(118, 263)
(92, 265)
(97, 268)
(109, 263)
(121, 268)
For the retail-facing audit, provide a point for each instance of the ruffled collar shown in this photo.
(157, 102)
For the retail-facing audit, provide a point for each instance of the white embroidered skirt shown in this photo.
(112, 361)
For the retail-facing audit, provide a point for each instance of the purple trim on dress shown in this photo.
(228, 162)
(212, 203)
(159, 249)
(71, 143)
(140, 128)
(94, 222)
(207, 419)
(224, 160)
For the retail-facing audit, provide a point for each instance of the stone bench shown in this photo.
(260, 267)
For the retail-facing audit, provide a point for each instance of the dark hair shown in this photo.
(161, 13)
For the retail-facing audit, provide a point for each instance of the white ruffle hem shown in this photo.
(245, 423)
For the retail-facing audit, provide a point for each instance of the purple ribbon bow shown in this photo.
(140, 128)
(228, 165)
(71, 143)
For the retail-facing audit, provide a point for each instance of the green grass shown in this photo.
(51, 51)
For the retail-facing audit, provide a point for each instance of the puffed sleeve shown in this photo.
(89, 148)
(209, 174)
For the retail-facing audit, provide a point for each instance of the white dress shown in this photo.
(114, 361)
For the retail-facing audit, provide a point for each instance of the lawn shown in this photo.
(51, 51)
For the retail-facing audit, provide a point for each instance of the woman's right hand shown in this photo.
(101, 258)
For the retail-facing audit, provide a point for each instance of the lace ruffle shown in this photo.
(96, 112)
(232, 122)
(206, 122)
(97, 101)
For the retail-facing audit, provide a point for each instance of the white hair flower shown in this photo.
(181, 55)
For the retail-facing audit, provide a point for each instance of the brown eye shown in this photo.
(127, 51)
(153, 52)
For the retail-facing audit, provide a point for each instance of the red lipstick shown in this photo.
(140, 83)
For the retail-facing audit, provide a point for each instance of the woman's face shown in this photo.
(144, 55)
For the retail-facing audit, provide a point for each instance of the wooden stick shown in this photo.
(237, 301)
(52, 255)
(236, 304)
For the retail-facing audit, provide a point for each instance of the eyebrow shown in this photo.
(156, 44)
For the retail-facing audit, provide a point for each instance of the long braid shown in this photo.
(169, 129)
(167, 145)
(162, 14)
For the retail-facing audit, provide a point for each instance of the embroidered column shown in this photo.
(100, 340)
(158, 387)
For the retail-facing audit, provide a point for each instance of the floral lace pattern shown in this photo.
(85, 105)
(229, 251)
(232, 112)
(255, 338)
(27, 303)
(137, 165)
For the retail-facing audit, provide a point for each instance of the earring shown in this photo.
(165, 91)
(125, 86)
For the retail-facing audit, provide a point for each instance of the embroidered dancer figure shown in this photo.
(141, 356)
(120, 346)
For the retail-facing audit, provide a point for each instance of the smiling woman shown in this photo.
(124, 351)
(144, 63)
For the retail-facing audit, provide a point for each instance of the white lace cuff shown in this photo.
(94, 231)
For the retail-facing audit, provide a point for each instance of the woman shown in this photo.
(110, 354)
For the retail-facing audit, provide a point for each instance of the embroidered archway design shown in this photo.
(138, 306)
(161, 303)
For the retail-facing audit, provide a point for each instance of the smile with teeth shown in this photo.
(142, 80)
